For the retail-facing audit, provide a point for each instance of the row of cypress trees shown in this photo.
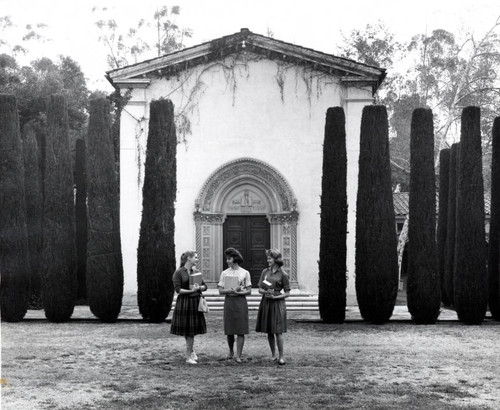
(449, 266)
(37, 223)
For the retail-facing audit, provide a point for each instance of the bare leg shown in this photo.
(272, 344)
(189, 346)
(230, 343)
(279, 340)
(239, 347)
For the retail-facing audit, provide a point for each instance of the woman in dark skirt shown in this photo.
(235, 284)
(186, 320)
(274, 286)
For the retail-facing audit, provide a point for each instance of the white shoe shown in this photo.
(191, 361)
(194, 356)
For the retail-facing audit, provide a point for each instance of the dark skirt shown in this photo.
(186, 320)
(271, 317)
(236, 315)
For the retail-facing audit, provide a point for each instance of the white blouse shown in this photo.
(242, 275)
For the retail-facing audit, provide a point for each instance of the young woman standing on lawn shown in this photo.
(187, 321)
(274, 286)
(235, 302)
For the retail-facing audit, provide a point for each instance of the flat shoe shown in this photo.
(274, 359)
(238, 360)
(191, 361)
(281, 362)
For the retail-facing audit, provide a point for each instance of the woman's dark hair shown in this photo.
(276, 255)
(185, 256)
(233, 253)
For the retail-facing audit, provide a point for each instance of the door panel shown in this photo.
(251, 236)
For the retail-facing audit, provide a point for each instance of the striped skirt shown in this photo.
(186, 320)
(271, 317)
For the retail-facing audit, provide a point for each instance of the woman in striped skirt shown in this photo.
(274, 286)
(187, 321)
(235, 284)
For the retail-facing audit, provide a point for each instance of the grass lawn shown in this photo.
(84, 364)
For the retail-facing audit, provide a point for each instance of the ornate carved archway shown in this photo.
(248, 187)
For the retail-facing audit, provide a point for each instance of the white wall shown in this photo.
(240, 113)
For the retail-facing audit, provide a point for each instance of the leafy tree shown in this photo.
(470, 282)
(59, 283)
(423, 291)
(442, 225)
(451, 225)
(494, 237)
(81, 218)
(104, 262)
(437, 70)
(15, 41)
(127, 46)
(14, 252)
(34, 209)
(376, 243)
(156, 250)
(333, 250)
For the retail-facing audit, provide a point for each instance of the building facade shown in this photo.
(250, 116)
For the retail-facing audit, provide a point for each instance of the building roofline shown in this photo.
(348, 70)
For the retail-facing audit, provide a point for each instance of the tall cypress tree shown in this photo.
(494, 242)
(34, 209)
(156, 250)
(81, 217)
(104, 256)
(424, 290)
(14, 253)
(376, 242)
(333, 249)
(470, 282)
(59, 254)
(451, 225)
(444, 187)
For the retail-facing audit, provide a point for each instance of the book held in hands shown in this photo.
(230, 282)
(266, 284)
(195, 277)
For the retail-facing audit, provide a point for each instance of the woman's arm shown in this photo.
(281, 295)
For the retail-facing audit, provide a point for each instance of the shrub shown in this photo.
(470, 282)
(444, 187)
(59, 254)
(423, 287)
(156, 250)
(376, 242)
(104, 256)
(81, 218)
(494, 242)
(451, 225)
(34, 209)
(14, 253)
(333, 249)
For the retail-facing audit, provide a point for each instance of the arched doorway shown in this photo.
(239, 203)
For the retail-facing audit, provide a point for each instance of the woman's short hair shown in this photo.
(185, 256)
(233, 253)
(276, 255)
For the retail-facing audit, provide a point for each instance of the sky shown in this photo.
(316, 24)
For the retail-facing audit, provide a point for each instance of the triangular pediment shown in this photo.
(347, 70)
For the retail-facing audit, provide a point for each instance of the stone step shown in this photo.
(293, 302)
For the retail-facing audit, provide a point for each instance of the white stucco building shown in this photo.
(250, 113)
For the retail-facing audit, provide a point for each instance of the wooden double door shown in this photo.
(251, 236)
